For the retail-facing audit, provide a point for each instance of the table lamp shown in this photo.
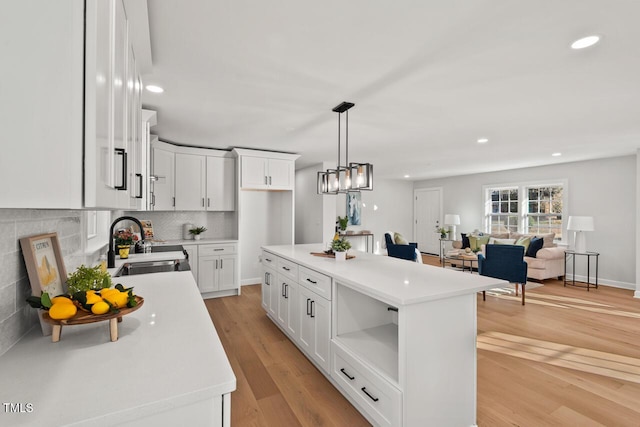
(580, 224)
(452, 220)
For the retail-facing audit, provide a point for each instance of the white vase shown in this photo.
(341, 256)
(196, 237)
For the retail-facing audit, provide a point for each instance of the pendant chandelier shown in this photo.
(350, 177)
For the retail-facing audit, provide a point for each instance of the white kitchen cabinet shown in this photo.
(315, 326)
(221, 183)
(217, 267)
(142, 166)
(268, 280)
(190, 182)
(67, 152)
(287, 305)
(264, 170)
(163, 171)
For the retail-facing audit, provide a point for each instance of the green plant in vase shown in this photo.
(197, 231)
(343, 223)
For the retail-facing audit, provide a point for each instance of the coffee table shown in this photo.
(465, 260)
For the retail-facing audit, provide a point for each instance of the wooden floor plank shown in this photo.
(278, 386)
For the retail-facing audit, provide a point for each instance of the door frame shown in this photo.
(415, 216)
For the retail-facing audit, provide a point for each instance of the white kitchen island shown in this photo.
(397, 338)
(168, 366)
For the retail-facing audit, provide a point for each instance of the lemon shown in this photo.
(62, 311)
(108, 291)
(118, 299)
(100, 307)
(93, 298)
(60, 299)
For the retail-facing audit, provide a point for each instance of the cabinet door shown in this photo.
(306, 333)
(207, 272)
(227, 272)
(119, 96)
(275, 296)
(192, 251)
(280, 173)
(321, 314)
(268, 276)
(190, 182)
(163, 187)
(293, 311)
(254, 174)
(221, 184)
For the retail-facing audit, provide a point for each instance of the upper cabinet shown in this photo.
(192, 179)
(266, 170)
(72, 110)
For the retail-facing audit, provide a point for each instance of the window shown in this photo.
(502, 210)
(544, 210)
(534, 208)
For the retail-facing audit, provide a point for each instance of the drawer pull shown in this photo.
(364, 390)
(268, 260)
(312, 281)
(347, 375)
(219, 249)
(286, 268)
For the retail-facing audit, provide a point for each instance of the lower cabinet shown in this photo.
(268, 279)
(215, 267)
(315, 326)
(287, 314)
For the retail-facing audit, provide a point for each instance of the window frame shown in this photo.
(523, 203)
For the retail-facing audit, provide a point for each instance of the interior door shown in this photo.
(427, 214)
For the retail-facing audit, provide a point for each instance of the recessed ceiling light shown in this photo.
(483, 140)
(407, 176)
(154, 89)
(556, 154)
(585, 42)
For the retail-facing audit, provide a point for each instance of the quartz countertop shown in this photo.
(168, 355)
(395, 281)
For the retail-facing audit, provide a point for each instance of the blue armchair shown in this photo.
(504, 262)
(408, 251)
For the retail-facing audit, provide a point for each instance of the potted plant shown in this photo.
(124, 239)
(197, 231)
(443, 232)
(86, 278)
(343, 222)
(340, 248)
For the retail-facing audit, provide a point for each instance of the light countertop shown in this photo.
(168, 355)
(395, 281)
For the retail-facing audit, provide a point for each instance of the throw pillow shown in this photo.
(548, 239)
(399, 239)
(524, 241)
(475, 242)
(465, 241)
(535, 245)
(502, 241)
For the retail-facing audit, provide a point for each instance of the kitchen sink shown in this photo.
(145, 267)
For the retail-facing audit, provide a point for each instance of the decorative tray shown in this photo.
(325, 255)
(84, 317)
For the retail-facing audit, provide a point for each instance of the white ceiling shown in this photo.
(428, 79)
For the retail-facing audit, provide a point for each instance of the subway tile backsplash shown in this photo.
(16, 317)
(167, 225)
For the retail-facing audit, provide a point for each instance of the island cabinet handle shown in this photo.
(312, 281)
(286, 291)
(347, 375)
(286, 268)
(283, 289)
(267, 259)
(266, 279)
(308, 310)
(364, 390)
(218, 249)
(313, 304)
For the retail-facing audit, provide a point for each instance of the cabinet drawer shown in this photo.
(205, 250)
(316, 282)
(269, 260)
(288, 268)
(380, 399)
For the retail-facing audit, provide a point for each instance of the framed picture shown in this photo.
(45, 267)
(354, 208)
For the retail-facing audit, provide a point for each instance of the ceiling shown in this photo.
(428, 79)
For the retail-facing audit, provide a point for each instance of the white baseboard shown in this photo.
(608, 282)
(636, 294)
(251, 281)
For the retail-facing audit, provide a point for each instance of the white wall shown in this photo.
(389, 207)
(315, 213)
(604, 189)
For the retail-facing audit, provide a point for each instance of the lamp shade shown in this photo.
(452, 219)
(580, 223)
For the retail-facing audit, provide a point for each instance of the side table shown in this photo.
(573, 254)
(443, 243)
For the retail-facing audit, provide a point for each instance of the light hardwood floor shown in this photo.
(567, 358)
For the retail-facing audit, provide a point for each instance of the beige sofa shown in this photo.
(548, 262)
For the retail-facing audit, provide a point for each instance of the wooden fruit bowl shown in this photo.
(83, 317)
